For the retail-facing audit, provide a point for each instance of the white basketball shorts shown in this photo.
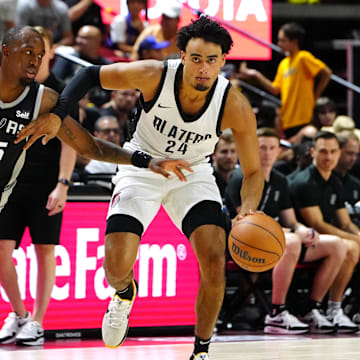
(140, 193)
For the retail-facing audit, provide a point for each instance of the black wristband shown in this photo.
(64, 182)
(141, 159)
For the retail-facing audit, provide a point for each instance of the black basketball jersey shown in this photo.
(13, 117)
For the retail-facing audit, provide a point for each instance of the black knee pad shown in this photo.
(206, 212)
(123, 223)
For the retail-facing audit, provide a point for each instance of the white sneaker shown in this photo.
(115, 323)
(318, 323)
(201, 356)
(12, 326)
(342, 322)
(30, 334)
(284, 323)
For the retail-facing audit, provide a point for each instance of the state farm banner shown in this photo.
(251, 16)
(165, 268)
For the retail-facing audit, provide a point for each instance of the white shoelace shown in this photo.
(118, 312)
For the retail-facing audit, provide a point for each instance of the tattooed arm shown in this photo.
(91, 147)
(73, 134)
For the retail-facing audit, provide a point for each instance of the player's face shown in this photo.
(225, 156)
(326, 154)
(202, 62)
(269, 150)
(24, 57)
(349, 154)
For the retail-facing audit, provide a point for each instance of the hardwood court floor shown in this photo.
(242, 347)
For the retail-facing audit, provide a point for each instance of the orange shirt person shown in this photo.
(294, 80)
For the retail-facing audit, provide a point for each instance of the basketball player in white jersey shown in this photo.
(21, 100)
(185, 106)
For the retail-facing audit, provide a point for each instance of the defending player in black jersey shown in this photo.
(22, 100)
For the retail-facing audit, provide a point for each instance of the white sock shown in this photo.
(334, 305)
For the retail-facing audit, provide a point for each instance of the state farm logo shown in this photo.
(79, 275)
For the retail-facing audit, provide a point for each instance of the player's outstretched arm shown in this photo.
(144, 75)
(92, 147)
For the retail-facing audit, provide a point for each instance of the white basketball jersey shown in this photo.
(164, 130)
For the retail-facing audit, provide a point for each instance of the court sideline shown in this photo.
(224, 347)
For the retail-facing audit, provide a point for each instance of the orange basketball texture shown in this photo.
(256, 243)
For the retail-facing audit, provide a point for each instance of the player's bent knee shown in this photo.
(116, 273)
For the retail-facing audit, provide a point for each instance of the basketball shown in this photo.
(256, 243)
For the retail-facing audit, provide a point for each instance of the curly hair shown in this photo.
(206, 29)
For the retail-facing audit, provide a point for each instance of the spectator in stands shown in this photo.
(125, 29)
(342, 123)
(294, 80)
(7, 16)
(324, 116)
(123, 106)
(40, 198)
(50, 14)
(268, 115)
(224, 160)
(149, 48)
(349, 145)
(318, 197)
(302, 158)
(84, 12)
(302, 245)
(324, 113)
(165, 31)
(106, 128)
(87, 46)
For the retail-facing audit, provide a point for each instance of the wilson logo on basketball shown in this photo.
(245, 255)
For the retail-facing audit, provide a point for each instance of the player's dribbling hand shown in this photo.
(165, 166)
(241, 215)
(46, 125)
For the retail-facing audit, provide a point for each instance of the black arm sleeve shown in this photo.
(83, 81)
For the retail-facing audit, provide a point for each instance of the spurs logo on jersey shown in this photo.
(14, 116)
(3, 122)
(164, 129)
